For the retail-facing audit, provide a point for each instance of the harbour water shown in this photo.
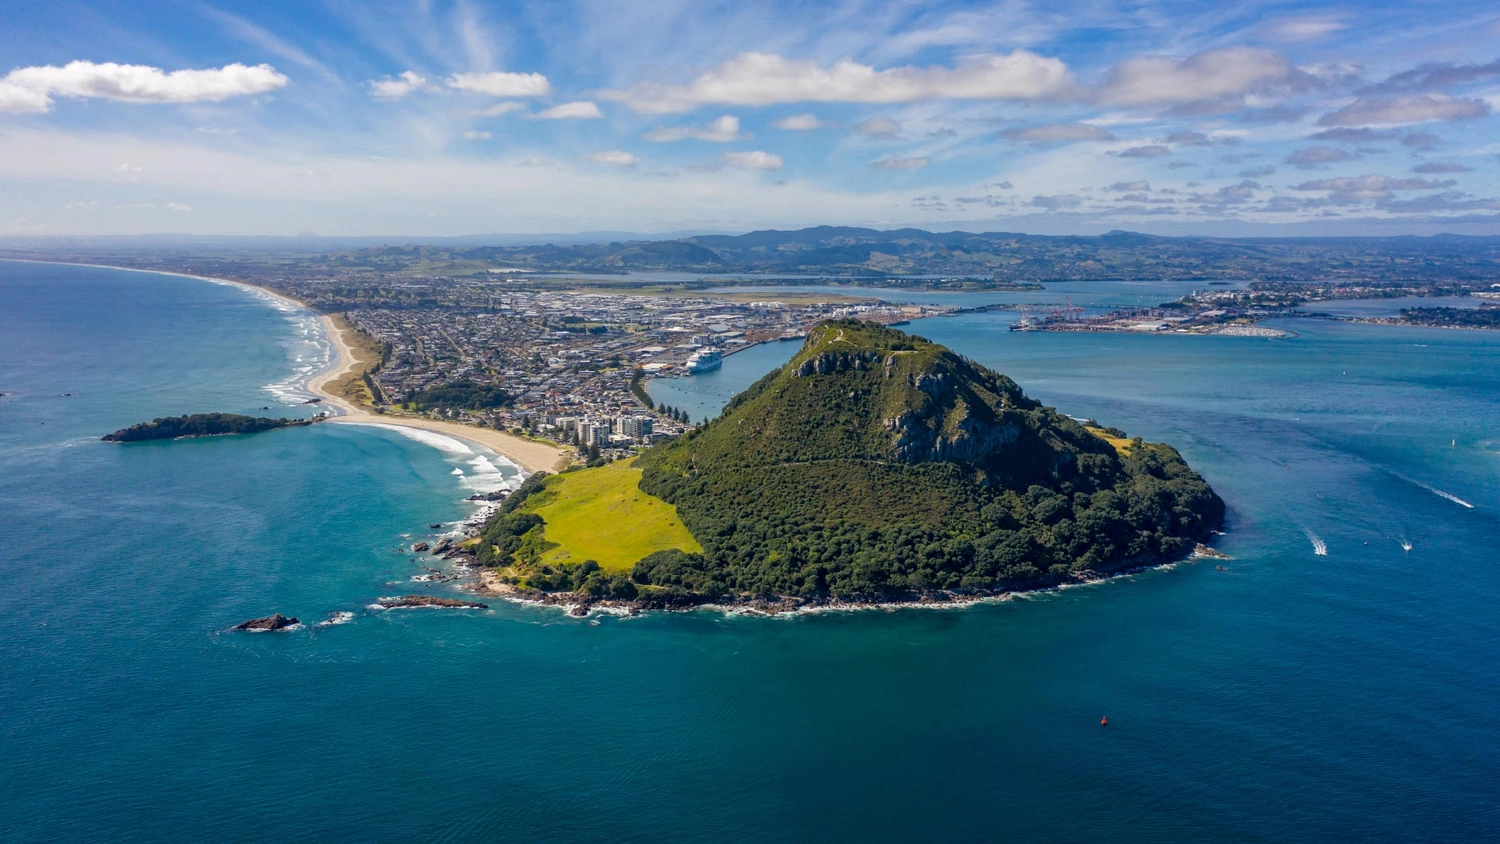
(1294, 697)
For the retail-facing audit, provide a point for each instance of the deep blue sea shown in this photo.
(1298, 696)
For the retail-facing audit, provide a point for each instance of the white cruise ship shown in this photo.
(704, 360)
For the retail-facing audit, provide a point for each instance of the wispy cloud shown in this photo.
(617, 157)
(1419, 108)
(896, 163)
(570, 111)
(1053, 133)
(755, 160)
(721, 130)
(799, 123)
(1231, 71)
(1305, 28)
(758, 79)
(879, 127)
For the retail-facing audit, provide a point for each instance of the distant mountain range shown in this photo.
(821, 251)
(861, 252)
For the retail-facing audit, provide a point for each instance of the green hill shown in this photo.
(878, 465)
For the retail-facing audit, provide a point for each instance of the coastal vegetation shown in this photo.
(874, 466)
(200, 425)
(1485, 317)
(358, 385)
(464, 395)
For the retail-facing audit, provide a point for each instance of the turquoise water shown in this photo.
(1295, 697)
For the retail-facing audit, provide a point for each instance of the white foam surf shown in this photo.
(1320, 548)
(1451, 497)
(445, 444)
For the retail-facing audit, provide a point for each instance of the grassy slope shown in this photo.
(1120, 444)
(602, 515)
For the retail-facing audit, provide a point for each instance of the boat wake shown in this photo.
(1440, 494)
(1320, 548)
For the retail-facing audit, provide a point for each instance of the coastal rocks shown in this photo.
(435, 526)
(416, 601)
(276, 621)
(420, 547)
(829, 363)
(442, 547)
(1201, 550)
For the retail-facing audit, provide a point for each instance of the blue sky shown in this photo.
(446, 118)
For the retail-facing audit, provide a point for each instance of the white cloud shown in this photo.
(756, 160)
(30, 89)
(178, 206)
(799, 123)
(499, 109)
(499, 84)
(879, 127)
(757, 79)
(721, 130)
(16, 99)
(1058, 133)
(570, 111)
(1305, 28)
(477, 136)
(1392, 111)
(617, 157)
(1207, 75)
(126, 167)
(395, 89)
(893, 163)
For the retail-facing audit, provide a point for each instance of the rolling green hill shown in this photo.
(878, 466)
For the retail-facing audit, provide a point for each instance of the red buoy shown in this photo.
(1104, 722)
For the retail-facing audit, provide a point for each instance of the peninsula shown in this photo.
(201, 425)
(875, 467)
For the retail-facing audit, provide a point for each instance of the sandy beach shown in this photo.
(528, 454)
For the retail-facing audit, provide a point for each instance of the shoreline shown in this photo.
(487, 583)
(529, 455)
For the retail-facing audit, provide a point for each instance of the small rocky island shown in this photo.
(201, 425)
(276, 621)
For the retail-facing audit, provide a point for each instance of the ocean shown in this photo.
(1338, 682)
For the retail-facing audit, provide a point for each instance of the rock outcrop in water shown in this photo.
(415, 601)
(276, 621)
